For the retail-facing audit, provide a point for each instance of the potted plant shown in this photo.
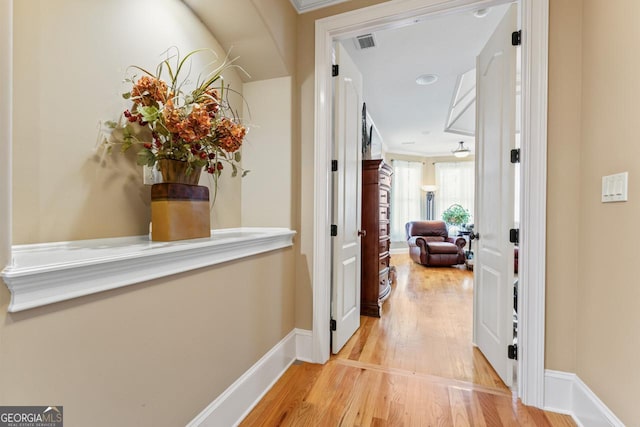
(180, 125)
(179, 130)
(455, 216)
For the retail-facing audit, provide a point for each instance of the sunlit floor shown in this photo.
(415, 366)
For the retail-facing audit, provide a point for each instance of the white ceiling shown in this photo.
(403, 111)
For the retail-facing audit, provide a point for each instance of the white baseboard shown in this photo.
(240, 397)
(399, 251)
(566, 393)
(304, 345)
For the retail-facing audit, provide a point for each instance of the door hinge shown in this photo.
(334, 165)
(514, 235)
(333, 325)
(335, 70)
(515, 155)
(334, 230)
(516, 38)
(512, 352)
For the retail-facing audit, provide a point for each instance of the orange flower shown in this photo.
(211, 100)
(194, 127)
(230, 135)
(149, 90)
(171, 117)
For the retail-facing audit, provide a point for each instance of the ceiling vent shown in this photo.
(365, 41)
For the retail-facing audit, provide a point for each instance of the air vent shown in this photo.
(365, 41)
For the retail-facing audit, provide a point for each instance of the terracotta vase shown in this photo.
(175, 171)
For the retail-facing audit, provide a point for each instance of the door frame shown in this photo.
(534, 21)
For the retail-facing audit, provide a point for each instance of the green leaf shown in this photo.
(234, 170)
(111, 124)
(146, 157)
(126, 144)
(150, 113)
(126, 95)
(244, 173)
(237, 156)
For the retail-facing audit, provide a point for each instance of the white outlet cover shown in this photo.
(151, 175)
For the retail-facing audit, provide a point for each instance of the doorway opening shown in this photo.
(422, 125)
(533, 17)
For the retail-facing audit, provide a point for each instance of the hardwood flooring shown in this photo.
(415, 366)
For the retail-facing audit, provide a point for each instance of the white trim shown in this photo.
(558, 390)
(45, 273)
(304, 345)
(535, 47)
(302, 6)
(399, 251)
(235, 403)
(6, 132)
(566, 393)
(533, 204)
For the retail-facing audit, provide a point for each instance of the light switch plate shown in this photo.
(614, 187)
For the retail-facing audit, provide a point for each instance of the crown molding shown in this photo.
(303, 6)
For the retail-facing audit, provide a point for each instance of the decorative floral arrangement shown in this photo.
(167, 121)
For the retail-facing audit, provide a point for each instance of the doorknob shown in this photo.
(362, 233)
(474, 236)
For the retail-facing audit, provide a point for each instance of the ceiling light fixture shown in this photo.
(461, 151)
(481, 13)
(426, 79)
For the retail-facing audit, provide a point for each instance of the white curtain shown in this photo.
(456, 183)
(405, 197)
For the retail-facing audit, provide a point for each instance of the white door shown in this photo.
(347, 193)
(495, 130)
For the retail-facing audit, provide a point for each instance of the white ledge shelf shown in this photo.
(46, 273)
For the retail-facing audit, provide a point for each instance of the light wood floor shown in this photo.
(415, 366)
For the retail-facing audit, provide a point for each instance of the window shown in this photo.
(455, 183)
(405, 197)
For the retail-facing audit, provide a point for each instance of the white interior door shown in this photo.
(347, 193)
(495, 130)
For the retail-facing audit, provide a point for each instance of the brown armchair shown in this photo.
(430, 244)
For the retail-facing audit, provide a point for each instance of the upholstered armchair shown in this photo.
(430, 244)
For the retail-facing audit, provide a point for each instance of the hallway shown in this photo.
(415, 366)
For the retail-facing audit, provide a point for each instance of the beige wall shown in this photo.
(592, 292)
(152, 354)
(608, 292)
(281, 19)
(68, 76)
(6, 33)
(563, 189)
(155, 353)
(267, 189)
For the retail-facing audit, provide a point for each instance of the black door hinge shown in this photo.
(334, 230)
(335, 70)
(512, 352)
(515, 155)
(333, 325)
(334, 165)
(514, 235)
(516, 38)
